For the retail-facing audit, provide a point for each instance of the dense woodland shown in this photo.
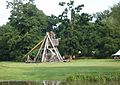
(96, 35)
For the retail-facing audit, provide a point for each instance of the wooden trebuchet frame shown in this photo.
(48, 51)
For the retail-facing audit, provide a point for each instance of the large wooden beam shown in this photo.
(34, 48)
(40, 47)
(56, 51)
(44, 51)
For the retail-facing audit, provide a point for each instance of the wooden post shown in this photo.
(43, 55)
(40, 48)
(57, 55)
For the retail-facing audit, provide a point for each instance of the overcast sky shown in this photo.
(51, 7)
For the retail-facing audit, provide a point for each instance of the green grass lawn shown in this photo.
(55, 71)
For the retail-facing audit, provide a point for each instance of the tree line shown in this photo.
(80, 34)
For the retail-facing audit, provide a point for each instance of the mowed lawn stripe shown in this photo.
(55, 71)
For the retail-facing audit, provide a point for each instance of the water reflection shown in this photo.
(51, 82)
(18, 83)
(57, 83)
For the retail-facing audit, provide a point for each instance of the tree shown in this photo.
(74, 31)
(8, 38)
(113, 23)
(26, 25)
(115, 15)
(78, 33)
(108, 43)
(52, 23)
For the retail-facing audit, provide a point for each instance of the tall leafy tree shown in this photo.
(72, 29)
(114, 24)
(26, 25)
(108, 43)
(8, 37)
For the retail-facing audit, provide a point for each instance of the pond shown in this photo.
(57, 83)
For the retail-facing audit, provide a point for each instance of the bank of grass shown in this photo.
(95, 77)
(58, 71)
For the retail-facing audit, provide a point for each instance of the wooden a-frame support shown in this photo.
(47, 52)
